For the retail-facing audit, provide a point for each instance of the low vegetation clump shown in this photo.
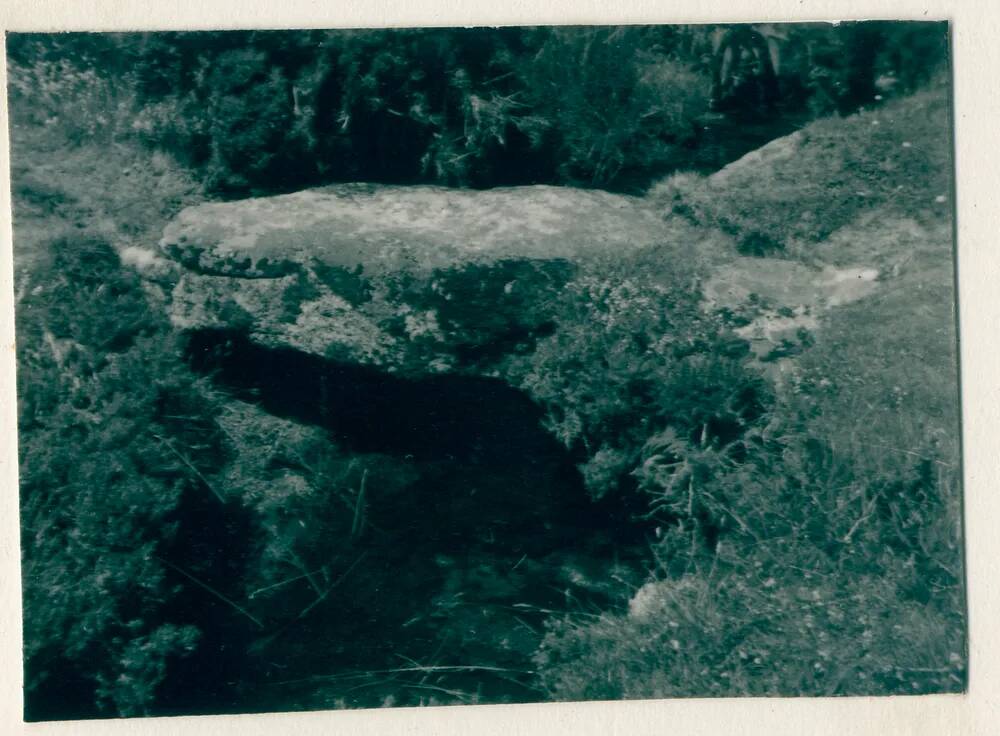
(803, 540)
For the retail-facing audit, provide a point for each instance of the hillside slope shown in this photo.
(848, 578)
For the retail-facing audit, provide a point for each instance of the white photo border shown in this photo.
(976, 64)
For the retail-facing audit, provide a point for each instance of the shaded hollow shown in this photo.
(462, 559)
(367, 410)
(483, 455)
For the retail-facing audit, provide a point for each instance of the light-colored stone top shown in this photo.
(390, 228)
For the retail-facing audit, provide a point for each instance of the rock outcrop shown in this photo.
(409, 279)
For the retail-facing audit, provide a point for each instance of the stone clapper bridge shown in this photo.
(386, 316)
(423, 282)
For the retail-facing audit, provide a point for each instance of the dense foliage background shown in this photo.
(609, 107)
(802, 539)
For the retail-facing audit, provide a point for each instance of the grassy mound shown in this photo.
(799, 190)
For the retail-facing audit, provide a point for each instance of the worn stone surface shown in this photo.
(784, 302)
(417, 229)
(407, 278)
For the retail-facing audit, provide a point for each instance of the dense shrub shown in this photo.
(99, 482)
(611, 103)
(634, 355)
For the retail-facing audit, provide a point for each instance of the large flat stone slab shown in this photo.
(391, 228)
(414, 279)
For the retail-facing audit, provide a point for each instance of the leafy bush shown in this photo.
(99, 481)
(648, 103)
(632, 354)
(853, 65)
(247, 119)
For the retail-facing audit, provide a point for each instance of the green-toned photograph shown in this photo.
(444, 366)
